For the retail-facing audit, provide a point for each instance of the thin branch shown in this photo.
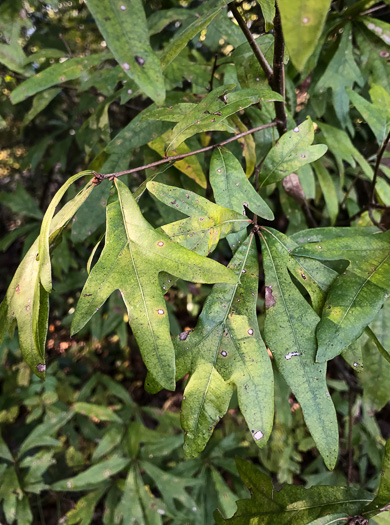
(101, 177)
(369, 11)
(252, 42)
(377, 164)
(278, 79)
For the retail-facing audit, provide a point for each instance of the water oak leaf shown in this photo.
(290, 324)
(292, 151)
(26, 302)
(124, 28)
(207, 222)
(231, 187)
(226, 350)
(53, 75)
(134, 255)
(357, 295)
(292, 505)
(211, 113)
(302, 23)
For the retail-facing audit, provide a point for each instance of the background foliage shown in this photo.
(89, 445)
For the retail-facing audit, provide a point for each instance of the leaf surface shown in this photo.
(357, 295)
(26, 302)
(53, 75)
(211, 113)
(231, 187)
(226, 349)
(124, 27)
(207, 222)
(133, 256)
(292, 151)
(382, 499)
(290, 334)
(292, 505)
(302, 23)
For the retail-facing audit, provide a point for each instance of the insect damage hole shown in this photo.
(160, 311)
(269, 298)
(258, 435)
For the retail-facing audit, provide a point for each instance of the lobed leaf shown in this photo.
(207, 222)
(290, 334)
(133, 257)
(226, 349)
(357, 295)
(292, 151)
(124, 27)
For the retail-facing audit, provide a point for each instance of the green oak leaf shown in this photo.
(207, 222)
(292, 151)
(231, 187)
(226, 350)
(134, 255)
(357, 295)
(302, 23)
(26, 302)
(290, 334)
(124, 28)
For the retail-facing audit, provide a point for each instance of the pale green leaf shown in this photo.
(231, 187)
(46, 227)
(26, 301)
(290, 334)
(48, 428)
(207, 222)
(162, 17)
(292, 505)
(226, 349)
(92, 476)
(357, 295)
(379, 27)
(124, 28)
(56, 74)
(292, 151)
(133, 256)
(96, 412)
(302, 23)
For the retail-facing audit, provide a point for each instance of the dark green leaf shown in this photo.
(357, 295)
(290, 334)
(123, 26)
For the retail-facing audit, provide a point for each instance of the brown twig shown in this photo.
(278, 79)
(252, 42)
(101, 177)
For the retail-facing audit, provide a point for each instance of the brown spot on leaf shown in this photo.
(269, 298)
(17, 290)
(292, 187)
